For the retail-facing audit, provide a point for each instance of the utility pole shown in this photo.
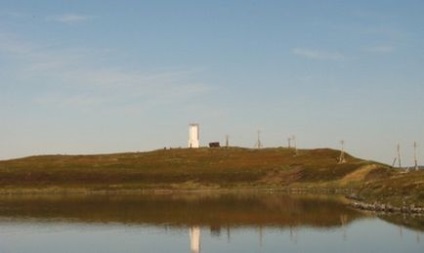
(415, 155)
(258, 142)
(289, 141)
(398, 156)
(227, 141)
(342, 155)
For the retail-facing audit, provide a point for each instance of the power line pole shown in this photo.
(415, 155)
(394, 162)
(342, 154)
(227, 141)
(398, 156)
(259, 143)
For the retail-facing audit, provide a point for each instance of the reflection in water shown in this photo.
(369, 235)
(293, 234)
(195, 240)
(343, 221)
(236, 223)
(216, 211)
(301, 238)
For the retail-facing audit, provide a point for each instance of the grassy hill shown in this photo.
(204, 168)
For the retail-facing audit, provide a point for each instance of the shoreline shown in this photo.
(387, 208)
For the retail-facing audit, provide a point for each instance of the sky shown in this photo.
(106, 76)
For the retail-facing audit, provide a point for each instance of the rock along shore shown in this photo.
(387, 208)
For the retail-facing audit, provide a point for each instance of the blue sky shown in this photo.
(102, 76)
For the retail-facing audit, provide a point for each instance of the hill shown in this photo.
(212, 169)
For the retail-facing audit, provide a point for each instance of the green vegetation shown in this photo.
(277, 169)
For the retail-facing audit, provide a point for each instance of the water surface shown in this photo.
(199, 223)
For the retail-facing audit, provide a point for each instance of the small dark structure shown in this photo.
(214, 145)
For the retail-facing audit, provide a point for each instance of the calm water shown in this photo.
(206, 223)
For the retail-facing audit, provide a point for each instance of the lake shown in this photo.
(212, 222)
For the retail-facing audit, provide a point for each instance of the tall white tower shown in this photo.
(193, 136)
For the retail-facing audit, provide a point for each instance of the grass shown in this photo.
(399, 189)
(211, 169)
(223, 167)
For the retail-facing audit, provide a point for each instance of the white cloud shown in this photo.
(70, 18)
(318, 54)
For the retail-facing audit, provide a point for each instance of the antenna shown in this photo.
(415, 155)
(398, 156)
(342, 154)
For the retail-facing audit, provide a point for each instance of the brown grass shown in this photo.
(162, 168)
(220, 168)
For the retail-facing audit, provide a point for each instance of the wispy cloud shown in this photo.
(381, 49)
(13, 14)
(9, 45)
(70, 18)
(70, 78)
(318, 54)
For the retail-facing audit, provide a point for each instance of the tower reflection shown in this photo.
(195, 239)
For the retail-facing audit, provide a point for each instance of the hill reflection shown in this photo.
(213, 210)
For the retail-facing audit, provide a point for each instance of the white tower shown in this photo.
(193, 133)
